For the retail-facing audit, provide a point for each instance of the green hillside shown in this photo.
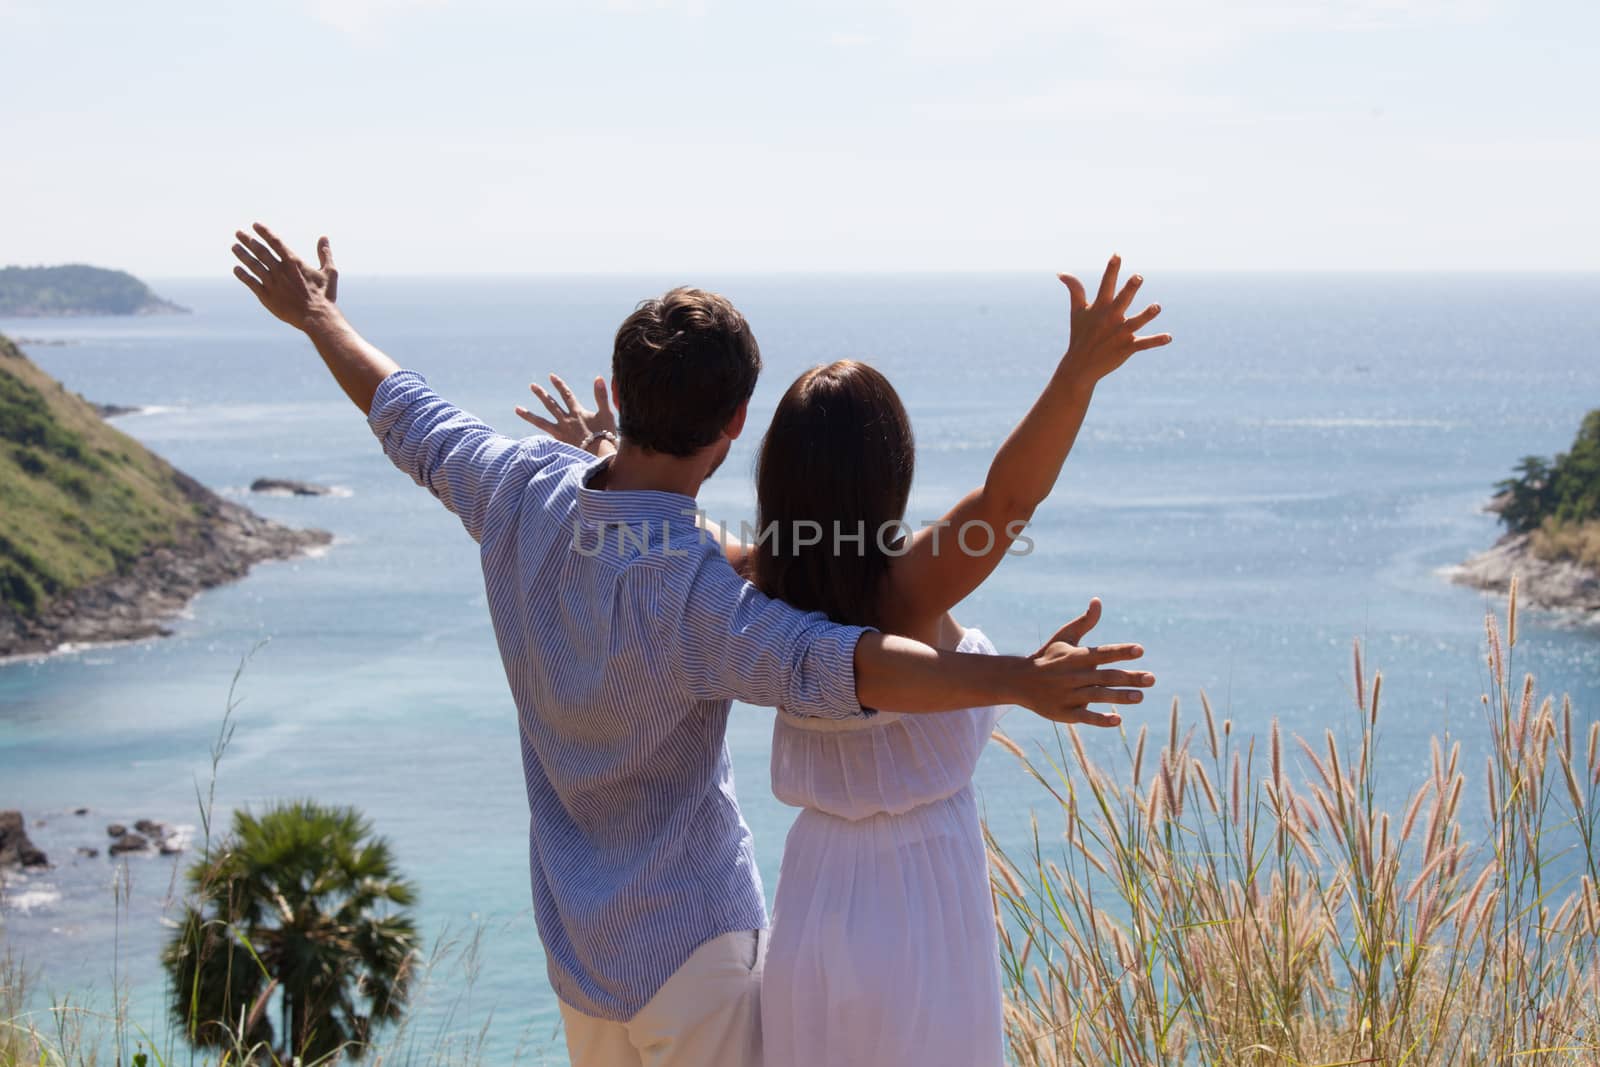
(78, 499)
(76, 289)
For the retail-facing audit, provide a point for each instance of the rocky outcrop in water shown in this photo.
(15, 848)
(288, 486)
(129, 842)
(1558, 585)
(145, 835)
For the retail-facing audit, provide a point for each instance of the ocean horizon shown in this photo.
(1299, 470)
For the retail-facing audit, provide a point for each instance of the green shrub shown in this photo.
(1566, 488)
(301, 905)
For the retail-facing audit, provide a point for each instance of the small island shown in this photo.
(1551, 511)
(289, 487)
(101, 539)
(76, 289)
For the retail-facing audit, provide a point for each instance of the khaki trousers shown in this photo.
(707, 1015)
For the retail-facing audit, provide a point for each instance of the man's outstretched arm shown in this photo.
(460, 459)
(304, 297)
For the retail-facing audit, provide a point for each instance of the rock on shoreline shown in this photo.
(146, 837)
(15, 848)
(1558, 585)
(219, 547)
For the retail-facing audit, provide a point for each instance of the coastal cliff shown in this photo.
(100, 539)
(1551, 511)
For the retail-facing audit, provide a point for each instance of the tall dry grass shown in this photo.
(1577, 541)
(1214, 903)
(66, 1033)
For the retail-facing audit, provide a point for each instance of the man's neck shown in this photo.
(635, 468)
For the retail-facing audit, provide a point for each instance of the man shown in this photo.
(625, 637)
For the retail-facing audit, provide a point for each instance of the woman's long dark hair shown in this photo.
(839, 454)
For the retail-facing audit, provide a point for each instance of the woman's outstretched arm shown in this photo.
(947, 561)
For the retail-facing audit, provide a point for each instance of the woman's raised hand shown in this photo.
(570, 422)
(1104, 335)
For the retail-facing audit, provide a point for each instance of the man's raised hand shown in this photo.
(1104, 335)
(286, 285)
(303, 296)
(1068, 677)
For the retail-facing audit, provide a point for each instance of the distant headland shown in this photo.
(76, 289)
(1551, 511)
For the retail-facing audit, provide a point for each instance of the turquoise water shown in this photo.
(1294, 472)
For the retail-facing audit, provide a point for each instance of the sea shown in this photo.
(1298, 471)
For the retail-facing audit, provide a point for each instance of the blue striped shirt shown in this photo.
(625, 636)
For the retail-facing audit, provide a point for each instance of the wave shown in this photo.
(1359, 422)
(245, 492)
(24, 897)
(72, 648)
(141, 409)
(182, 835)
(1206, 501)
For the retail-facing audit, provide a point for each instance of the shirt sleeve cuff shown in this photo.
(840, 657)
(394, 394)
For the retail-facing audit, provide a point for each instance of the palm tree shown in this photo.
(303, 904)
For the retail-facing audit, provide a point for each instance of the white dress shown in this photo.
(883, 949)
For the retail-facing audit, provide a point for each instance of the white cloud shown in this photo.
(1515, 151)
(19, 11)
(357, 17)
(1155, 30)
(1100, 100)
(687, 8)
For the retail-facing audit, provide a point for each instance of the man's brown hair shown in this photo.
(682, 365)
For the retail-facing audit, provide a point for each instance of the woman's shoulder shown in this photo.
(975, 640)
(942, 632)
(948, 634)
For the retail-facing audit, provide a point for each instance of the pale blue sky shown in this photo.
(456, 136)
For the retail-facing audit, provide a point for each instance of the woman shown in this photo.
(883, 948)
